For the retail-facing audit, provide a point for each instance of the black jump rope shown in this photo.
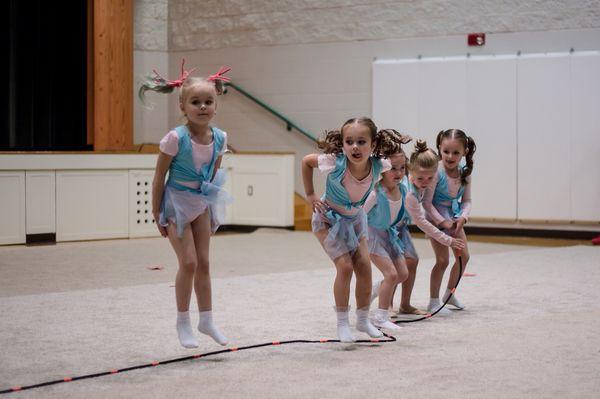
(388, 338)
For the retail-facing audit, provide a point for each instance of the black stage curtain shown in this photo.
(43, 94)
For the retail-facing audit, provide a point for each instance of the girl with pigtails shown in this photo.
(390, 244)
(422, 168)
(339, 222)
(448, 205)
(190, 206)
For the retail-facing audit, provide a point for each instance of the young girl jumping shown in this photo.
(448, 205)
(339, 222)
(190, 207)
(422, 166)
(390, 245)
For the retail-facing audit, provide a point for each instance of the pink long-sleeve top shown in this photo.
(454, 184)
(417, 214)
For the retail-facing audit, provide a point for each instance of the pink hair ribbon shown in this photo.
(220, 75)
(174, 83)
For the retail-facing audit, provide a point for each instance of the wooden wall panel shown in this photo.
(113, 74)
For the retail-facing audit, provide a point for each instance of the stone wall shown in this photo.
(214, 24)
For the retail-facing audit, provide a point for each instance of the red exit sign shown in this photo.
(476, 39)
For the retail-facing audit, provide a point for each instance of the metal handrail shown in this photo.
(289, 124)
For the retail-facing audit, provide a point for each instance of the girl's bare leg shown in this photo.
(201, 230)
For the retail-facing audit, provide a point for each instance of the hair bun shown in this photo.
(421, 146)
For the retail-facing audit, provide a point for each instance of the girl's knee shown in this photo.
(203, 266)
(412, 263)
(362, 268)
(464, 258)
(188, 266)
(344, 269)
(402, 275)
(391, 276)
(441, 263)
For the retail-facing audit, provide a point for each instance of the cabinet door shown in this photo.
(12, 209)
(40, 193)
(141, 221)
(92, 204)
(256, 198)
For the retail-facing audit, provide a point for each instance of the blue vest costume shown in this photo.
(182, 166)
(442, 194)
(182, 169)
(380, 216)
(342, 232)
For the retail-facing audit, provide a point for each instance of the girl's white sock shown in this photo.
(343, 325)
(453, 301)
(375, 290)
(184, 330)
(363, 324)
(206, 326)
(435, 304)
(381, 319)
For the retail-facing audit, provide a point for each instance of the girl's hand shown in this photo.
(446, 224)
(459, 244)
(161, 229)
(317, 205)
(460, 222)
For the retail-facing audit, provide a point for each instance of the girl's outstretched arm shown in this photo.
(158, 187)
(309, 163)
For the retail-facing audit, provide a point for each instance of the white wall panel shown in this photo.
(442, 96)
(543, 92)
(92, 205)
(585, 137)
(491, 109)
(395, 96)
(12, 208)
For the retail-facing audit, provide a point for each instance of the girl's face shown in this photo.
(198, 104)
(394, 176)
(358, 144)
(452, 151)
(422, 178)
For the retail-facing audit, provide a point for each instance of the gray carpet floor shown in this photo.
(531, 328)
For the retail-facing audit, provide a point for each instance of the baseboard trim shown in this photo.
(511, 232)
(239, 228)
(40, 239)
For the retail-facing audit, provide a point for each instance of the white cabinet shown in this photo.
(98, 196)
(40, 200)
(92, 204)
(141, 221)
(262, 186)
(12, 207)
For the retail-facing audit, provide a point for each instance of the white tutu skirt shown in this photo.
(345, 232)
(381, 244)
(182, 207)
